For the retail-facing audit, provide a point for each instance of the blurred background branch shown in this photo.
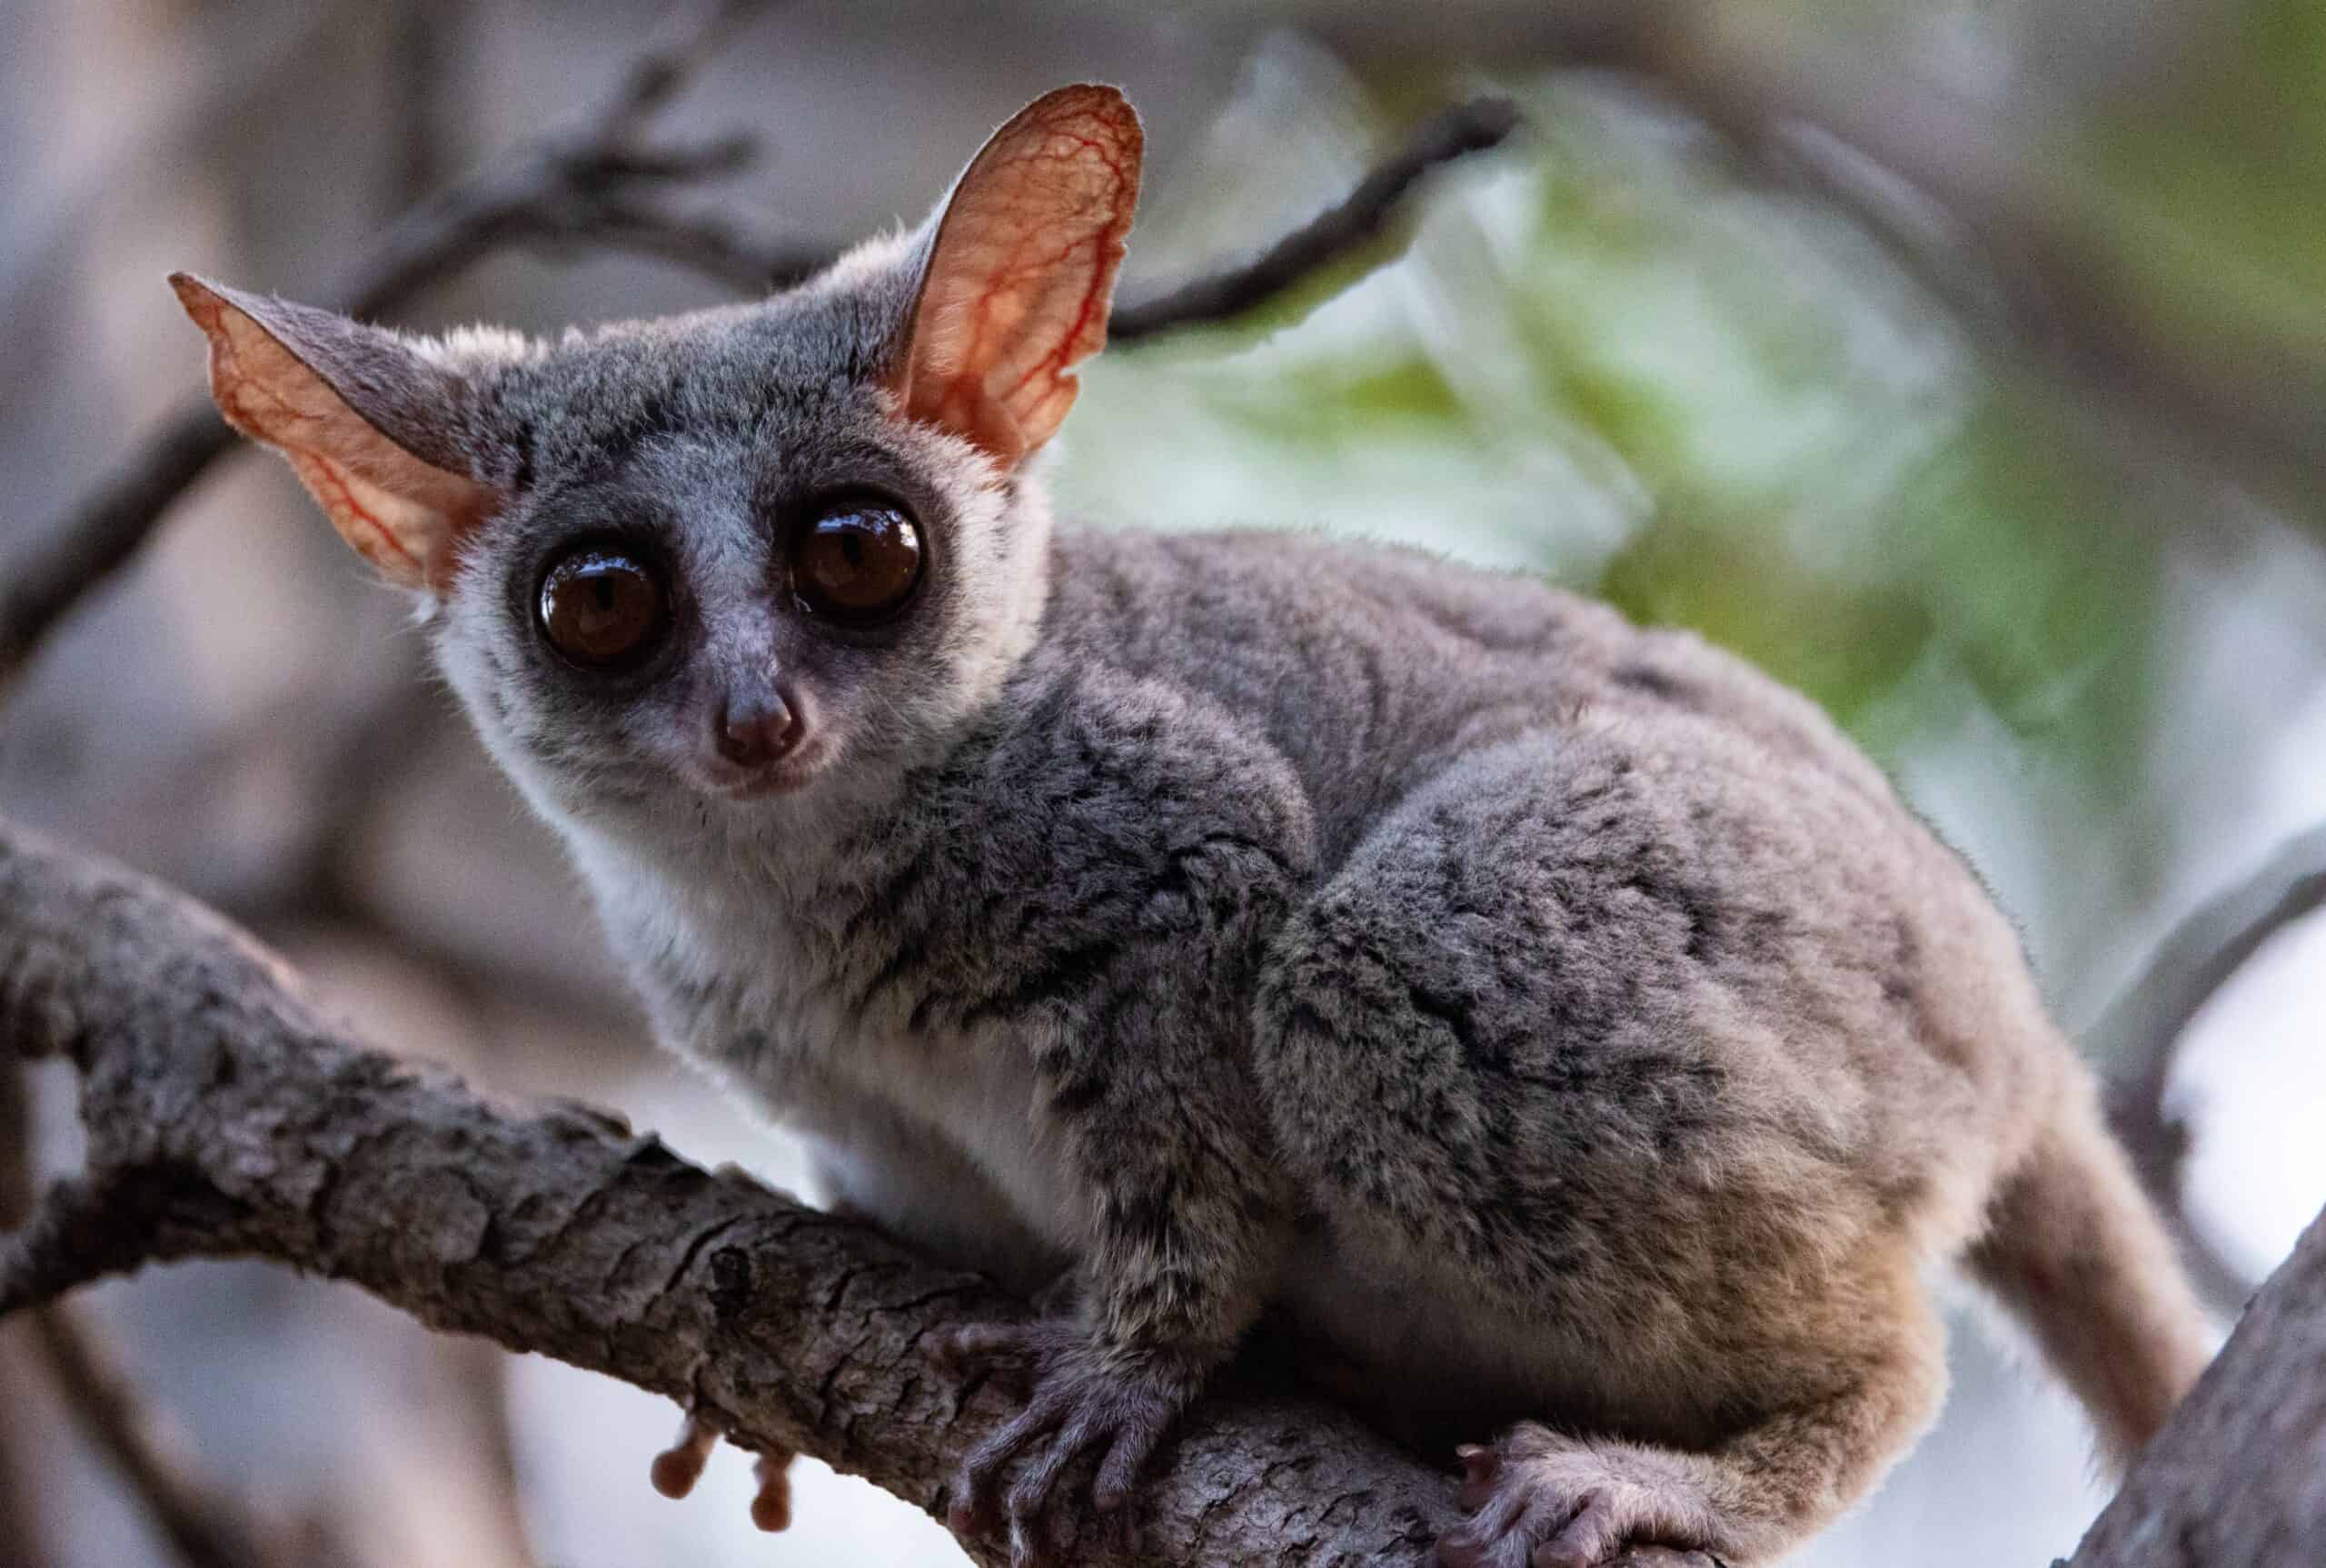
(1358, 220)
(2141, 1035)
(205, 1525)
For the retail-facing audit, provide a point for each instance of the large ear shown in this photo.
(1021, 272)
(364, 417)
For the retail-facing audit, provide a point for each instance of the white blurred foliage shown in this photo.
(2251, 1078)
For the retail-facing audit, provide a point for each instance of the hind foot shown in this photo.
(678, 1467)
(1537, 1500)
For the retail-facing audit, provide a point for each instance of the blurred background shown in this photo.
(1963, 362)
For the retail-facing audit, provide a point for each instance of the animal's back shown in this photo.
(1371, 666)
(1727, 833)
(1628, 985)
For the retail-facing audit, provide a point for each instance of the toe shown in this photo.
(1025, 1548)
(973, 1493)
(1519, 1518)
(1494, 1538)
(1458, 1551)
(677, 1468)
(771, 1504)
(972, 1507)
(1037, 1483)
(1135, 1442)
(1586, 1539)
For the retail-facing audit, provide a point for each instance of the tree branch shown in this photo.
(225, 1119)
(2139, 1037)
(2237, 1479)
(1351, 225)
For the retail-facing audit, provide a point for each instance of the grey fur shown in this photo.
(1542, 1019)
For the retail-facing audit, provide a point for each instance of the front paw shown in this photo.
(1086, 1398)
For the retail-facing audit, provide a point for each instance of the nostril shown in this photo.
(756, 729)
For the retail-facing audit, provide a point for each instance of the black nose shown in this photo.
(757, 727)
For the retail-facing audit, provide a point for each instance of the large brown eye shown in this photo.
(603, 607)
(856, 562)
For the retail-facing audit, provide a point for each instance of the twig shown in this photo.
(591, 186)
(656, 76)
(204, 1525)
(2139, 1037)
(224, 1119)
(1351, 225)
(102, 532)
(718, 249)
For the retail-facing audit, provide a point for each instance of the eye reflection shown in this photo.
(856, 562)
(602, 608)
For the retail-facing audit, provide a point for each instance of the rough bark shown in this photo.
(2237, 1479)
(226, 1119)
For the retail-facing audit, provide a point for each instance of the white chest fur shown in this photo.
(935, 1135)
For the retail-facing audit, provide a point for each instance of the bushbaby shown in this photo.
(1554, 1024)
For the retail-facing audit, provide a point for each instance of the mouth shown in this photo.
(786, 776)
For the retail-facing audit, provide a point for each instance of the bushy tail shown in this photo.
(2074, 1250)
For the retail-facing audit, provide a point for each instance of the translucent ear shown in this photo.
(1021, 272)
(324, 392)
